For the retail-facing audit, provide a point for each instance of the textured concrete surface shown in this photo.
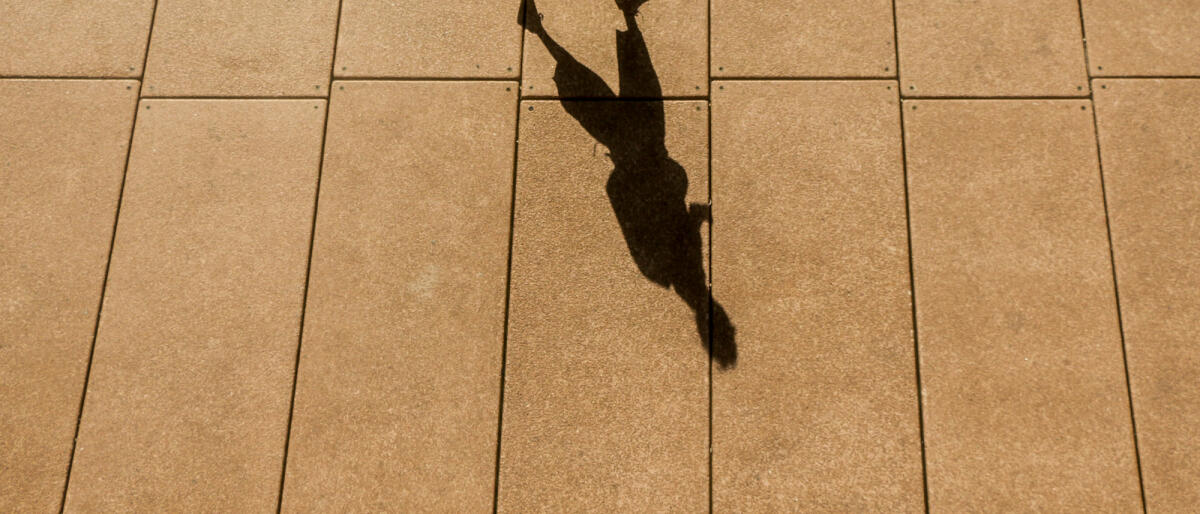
(675, 31)
(241, 48)
(62, 154)
(803, 39)
(1024, 386)
(399, 380)
(74, 38)
(472, 38)
(1151, 160)
(810, 258)
(990, 48)
(606, 394)
(187, 404)
(1142, 38)
(599, 397)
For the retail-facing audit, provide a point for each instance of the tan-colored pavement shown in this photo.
(810, 257)
(62, 154)
(1021, 365)
(606, 383)
(465, 38)
(405, 312)
(193, 365)
(74, 38)
(803, 39)
(953, 256)
(1142, 38)
(241, 48)
(1148, 131)
(990, 48)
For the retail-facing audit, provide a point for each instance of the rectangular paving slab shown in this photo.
(1151, 160)
(241, 48)
(466, 38)
(187, 404)
(1025, 400)
(74, 38)
(810, 258)
(803, 39)
(399, 381)
(1142, 38)
(578, 56)
(990, 48)
(62, 154)
(606, 390)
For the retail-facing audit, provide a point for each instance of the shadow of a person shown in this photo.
(647, 188)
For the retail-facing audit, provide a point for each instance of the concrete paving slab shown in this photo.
(803, 39)
(1142, 38)
(675, 35)
(1025, 400)
(241, 48)
(990, 48)
(62, 155)
(74, 38)
(467, 38)
(399, 380)
(606, 392)
(810, 257)
(1151, 156)
(187, 404)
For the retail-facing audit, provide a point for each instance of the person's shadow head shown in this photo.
(647, 188)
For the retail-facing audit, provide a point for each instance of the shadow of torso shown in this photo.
(647, 188)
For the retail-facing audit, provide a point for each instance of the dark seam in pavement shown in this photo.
(312, 237)
(316, 97)
(711, 219)
(512, 215)
(912, 279)
(87, 375)
(1112, 261)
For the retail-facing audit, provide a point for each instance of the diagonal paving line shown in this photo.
(512, 213)
(1137, 454)
(312, 233)
(912, 286)
(108, 263)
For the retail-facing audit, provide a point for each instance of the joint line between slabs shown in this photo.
(87, 375)
(1112, 260)
(512, 216)
(312, 237)
(912, 279)
(712, 218)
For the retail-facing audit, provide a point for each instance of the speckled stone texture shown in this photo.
(606, 397)
(1025, 401)
(465, 38)
(74, 38)
(399, 378)
(62, 154)
(990, 48)
(1151, 159)
(1142, 38)
(803, 39)
(675, 31)
(810, 257)
(187, 404)
(241, 48)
